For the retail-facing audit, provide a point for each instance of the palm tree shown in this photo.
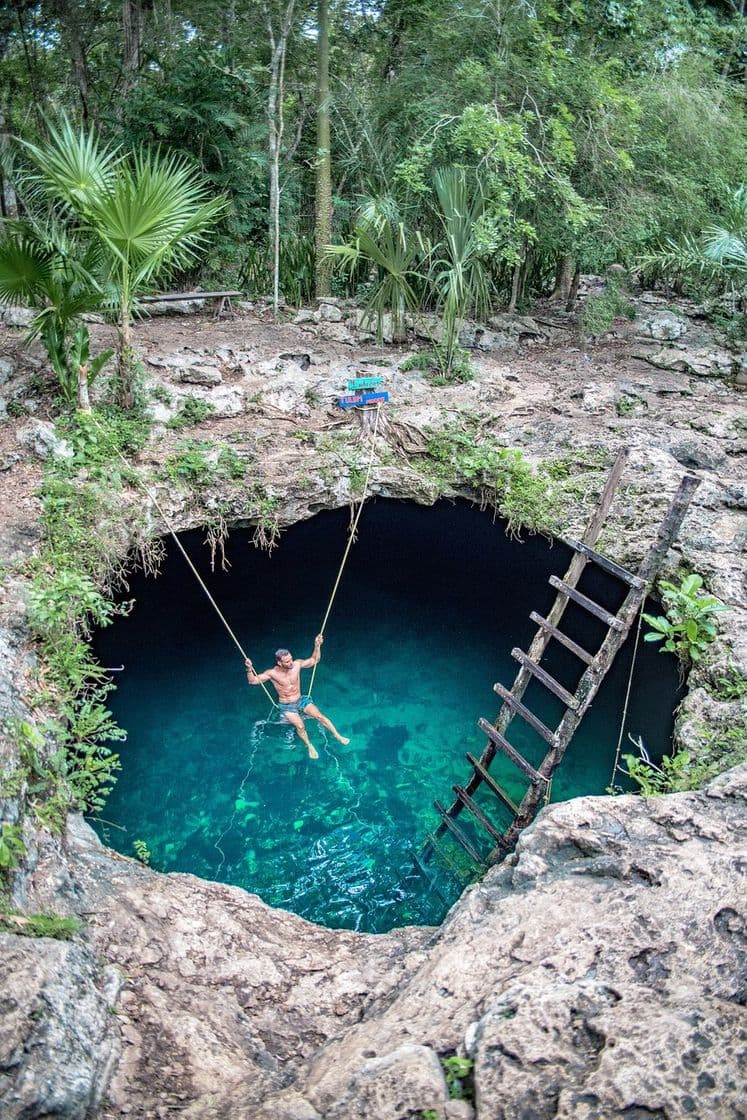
(459, 265)
(381, 241)
(719, 254)
(142, 215)
(43, 266)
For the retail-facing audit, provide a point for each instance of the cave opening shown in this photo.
(431, 602)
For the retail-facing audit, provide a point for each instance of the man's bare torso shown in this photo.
(287, 682)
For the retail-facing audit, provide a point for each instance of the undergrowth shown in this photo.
(65, 761)
(39, 925)
(505, 480)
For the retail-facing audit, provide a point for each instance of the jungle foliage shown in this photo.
(579, 134)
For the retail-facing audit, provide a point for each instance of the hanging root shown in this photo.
(216, 534)
(266, 533)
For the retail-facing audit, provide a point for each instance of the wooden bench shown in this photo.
(223, 307)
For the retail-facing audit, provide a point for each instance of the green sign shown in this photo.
(364, 382)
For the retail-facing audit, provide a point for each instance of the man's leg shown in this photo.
(295, 719)
(313, 711)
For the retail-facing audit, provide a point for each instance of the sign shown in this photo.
(365, 382)
(353, 400)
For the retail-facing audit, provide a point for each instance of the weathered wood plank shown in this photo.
(490, 782)
(595, 673)
(528, 717)
(587, 604)
(176, 297)
(604, 562)
(575, 568)
(544, 678)
(510, 751)
(478, 814)
(433, 846)
(582, 654)
(457, 833)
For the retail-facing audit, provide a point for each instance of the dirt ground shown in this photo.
(560, 379)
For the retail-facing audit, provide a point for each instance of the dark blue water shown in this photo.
(431, 603)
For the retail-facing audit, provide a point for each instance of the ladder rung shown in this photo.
(434, 845)
(491, 783)
(457, 833)
(511, 752)
(545, 679)
(526, 715)
(608, 565)
(420, 864)
(562, 638)
(588, 604)
(478, 814)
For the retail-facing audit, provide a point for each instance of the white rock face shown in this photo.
(40, 437)
(16, 316)
(665, 326)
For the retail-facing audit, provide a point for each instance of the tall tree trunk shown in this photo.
(131, 41)
(8, 199)
(32, 70)
(564, 267)
(516, 279)
(275, 128)
(80, 64)
(323, 198)
(69, 16)
(571, 301)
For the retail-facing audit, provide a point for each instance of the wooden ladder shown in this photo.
(576, 704)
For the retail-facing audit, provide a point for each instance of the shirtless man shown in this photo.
(286, 677)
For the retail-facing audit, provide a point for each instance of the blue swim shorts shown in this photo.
(296, 705)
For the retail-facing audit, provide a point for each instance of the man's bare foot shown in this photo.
(312, 753)
(342, 739)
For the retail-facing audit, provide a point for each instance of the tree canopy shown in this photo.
(591, 131)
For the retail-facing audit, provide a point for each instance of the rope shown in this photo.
(616, 764)
(180, 546)
(351, 535)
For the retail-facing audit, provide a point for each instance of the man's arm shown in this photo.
(256, 678)
(314, 659)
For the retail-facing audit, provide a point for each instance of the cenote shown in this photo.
(431, 602)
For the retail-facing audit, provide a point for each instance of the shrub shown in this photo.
(687, 627)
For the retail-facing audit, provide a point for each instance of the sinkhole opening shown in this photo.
(431, 602)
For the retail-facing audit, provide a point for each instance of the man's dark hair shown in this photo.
(280, 653)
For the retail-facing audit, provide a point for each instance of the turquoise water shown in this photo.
(430, 605)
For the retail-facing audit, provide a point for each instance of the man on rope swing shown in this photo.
(286, 679)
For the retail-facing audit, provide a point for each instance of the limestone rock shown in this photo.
(174, 307)
(59, 1039)
(40, 437)
(336, 332)
(664, 326)
(287, 395)
(305, 315)
(330, 313)
(16, 316)
(402, 1082)
(703, 362)
(596, 397)
(697, 452)
(7, 369)
(518, 328)
(200, 375)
